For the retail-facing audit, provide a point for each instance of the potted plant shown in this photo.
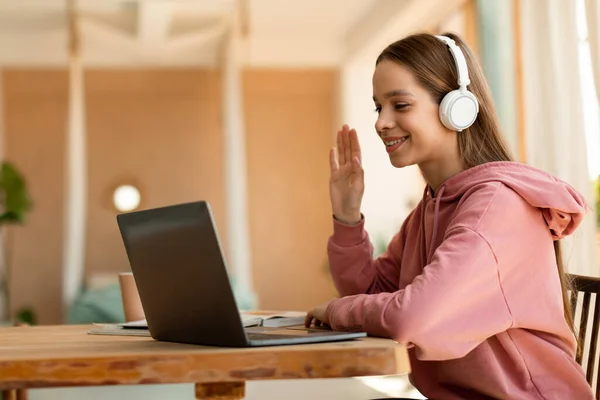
(15, 202)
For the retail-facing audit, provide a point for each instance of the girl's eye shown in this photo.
(398, 106)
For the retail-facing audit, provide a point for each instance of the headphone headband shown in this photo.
(459, 108)
(459, 60)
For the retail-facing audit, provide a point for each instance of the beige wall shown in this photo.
(289, 120)
(161, 130)
(35, 120)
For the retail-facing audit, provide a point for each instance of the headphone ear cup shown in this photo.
(445, 109)
(458, 110)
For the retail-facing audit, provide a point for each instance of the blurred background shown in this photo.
(109, 106)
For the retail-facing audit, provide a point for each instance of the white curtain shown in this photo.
(553, 112)
(75, 180)
(592, 11)
(236, 192)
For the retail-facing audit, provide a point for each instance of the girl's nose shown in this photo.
(384, 122)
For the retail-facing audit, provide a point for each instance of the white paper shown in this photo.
(249, 318)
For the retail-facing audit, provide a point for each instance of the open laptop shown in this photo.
(180, 272)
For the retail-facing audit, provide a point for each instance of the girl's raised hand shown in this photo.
(346, 184)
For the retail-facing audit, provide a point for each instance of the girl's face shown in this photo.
(408, 121)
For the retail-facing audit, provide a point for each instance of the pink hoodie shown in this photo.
(470, 283)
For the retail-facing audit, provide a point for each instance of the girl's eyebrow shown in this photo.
(397, 92)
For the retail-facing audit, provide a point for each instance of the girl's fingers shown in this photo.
(308, 320)
(340, 148)
(333, 160)
(355, 145)
(346, 141)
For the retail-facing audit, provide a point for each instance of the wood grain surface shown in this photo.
(51, 356)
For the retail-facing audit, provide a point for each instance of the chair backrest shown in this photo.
(589, 287)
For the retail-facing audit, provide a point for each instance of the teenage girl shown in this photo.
(473, 283)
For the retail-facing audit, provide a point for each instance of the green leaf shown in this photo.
(14, 198)
(27, 316)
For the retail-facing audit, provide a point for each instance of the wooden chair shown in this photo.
(588, 286)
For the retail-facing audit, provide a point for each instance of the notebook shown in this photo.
(269, 319)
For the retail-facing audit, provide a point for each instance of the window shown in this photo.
(591, 110)
(590, 100)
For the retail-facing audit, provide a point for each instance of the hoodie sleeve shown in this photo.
(457, 299)
(353, 269)
(457, 302)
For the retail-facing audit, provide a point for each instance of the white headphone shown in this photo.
(459, 108)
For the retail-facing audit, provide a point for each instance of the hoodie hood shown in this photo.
(562, 206)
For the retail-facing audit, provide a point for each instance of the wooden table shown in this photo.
(53, 356)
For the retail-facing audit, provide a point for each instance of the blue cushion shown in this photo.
(104, 305)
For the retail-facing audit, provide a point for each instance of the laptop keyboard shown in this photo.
(271, 336)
